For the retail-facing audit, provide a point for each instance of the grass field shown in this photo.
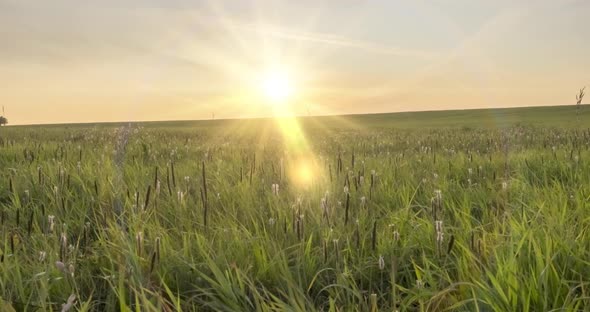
(484, 210)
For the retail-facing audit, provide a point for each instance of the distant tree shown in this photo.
(579, 98)
(3, 121)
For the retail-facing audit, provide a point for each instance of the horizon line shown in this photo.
(295, 116)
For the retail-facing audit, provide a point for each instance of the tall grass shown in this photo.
(100, 219)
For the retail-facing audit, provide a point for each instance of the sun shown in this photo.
(277, 87)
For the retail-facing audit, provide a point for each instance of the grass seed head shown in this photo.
(69, 303)
(51, 219)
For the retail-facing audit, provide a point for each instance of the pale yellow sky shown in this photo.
(70, 61)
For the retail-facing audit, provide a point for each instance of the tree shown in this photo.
(579, 98)
(3, 121)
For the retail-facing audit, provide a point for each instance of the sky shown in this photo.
(86, 61)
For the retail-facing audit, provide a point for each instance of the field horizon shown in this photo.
(554, 115)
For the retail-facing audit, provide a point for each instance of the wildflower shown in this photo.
(363, 201)
(381, 263)
(470, 171)
(504, 185)
(271, 221)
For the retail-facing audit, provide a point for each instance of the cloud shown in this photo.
(334, 40)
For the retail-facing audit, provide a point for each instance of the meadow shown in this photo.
(483, 210)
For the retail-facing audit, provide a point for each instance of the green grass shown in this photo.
(207, 233)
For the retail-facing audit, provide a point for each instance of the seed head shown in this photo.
(438, 195)
(69, 304)
(158, 188)
(51, 219)
(60, 266)
(42, 256)
(395, 236)
(381, 263)
(440, 237)
(438, 226)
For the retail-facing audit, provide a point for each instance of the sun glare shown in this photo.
(277, 87)
(302, 173)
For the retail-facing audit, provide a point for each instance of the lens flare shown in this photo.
(302, 173)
